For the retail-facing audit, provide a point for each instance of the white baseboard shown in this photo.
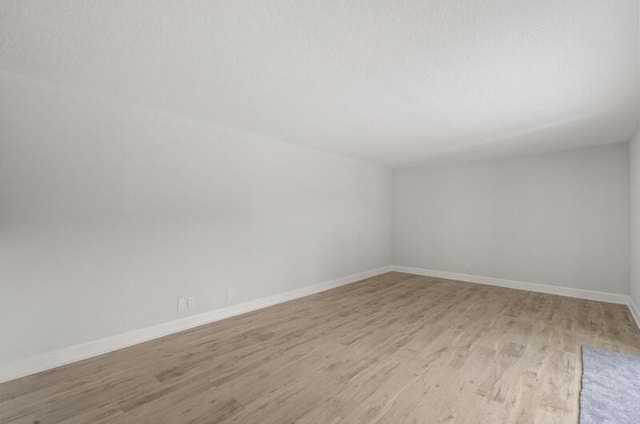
(519, 285)
(42, 362)
(37, 363)
(635, 311)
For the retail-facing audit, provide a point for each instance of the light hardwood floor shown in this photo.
(392, 349)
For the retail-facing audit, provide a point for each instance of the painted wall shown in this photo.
(109, 212)
(558, 218)
(634, 181)
(634, 156)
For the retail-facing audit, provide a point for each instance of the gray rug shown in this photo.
(610, 387)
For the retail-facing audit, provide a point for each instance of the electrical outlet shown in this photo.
(182, 303)
(230, 294)
(191, 301)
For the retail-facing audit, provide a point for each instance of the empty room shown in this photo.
(329, 212)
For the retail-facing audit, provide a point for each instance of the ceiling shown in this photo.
(397, 82)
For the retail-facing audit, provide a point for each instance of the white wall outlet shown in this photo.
(182, 303)
(230, 294)
(191, 301)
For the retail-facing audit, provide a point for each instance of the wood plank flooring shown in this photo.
(392, 349)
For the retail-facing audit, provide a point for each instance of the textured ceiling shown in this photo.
(397, 82)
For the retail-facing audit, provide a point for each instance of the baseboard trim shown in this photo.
(621, 299)
(519, 285)
(42, 362)
(635, 311)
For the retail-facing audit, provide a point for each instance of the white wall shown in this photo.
(634, 180)
(109, 212)
(559, 218)
(634, 156)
